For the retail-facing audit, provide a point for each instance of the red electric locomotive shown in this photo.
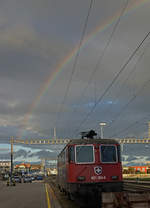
(86, 166)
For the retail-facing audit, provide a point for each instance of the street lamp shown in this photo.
(102, 125)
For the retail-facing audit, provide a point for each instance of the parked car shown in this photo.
(17, 179)
(5, 176)
(39, 177)
(27, 179)
(33, 178)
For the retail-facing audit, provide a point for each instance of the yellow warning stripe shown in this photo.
(47, 196)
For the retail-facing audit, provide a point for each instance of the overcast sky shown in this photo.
(60, 64)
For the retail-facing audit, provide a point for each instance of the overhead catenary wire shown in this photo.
(129, 75)
(135, 94)
(75, 60)
(104, 51)
(113, 81)
(130, 101)
(130, 126)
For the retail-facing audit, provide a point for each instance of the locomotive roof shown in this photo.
(93, 141)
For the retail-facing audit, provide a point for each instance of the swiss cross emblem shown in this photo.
(98, 170)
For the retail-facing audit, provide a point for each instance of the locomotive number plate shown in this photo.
(98, 177)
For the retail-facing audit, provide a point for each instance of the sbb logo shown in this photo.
(98, 170)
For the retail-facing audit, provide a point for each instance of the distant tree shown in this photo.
(125, 171)
(131, 170)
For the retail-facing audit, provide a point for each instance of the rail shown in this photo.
(136, 187)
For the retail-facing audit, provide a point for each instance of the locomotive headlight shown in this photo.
(114, 177)
(81, 178)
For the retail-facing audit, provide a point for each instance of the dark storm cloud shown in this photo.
(20, 153)
(44, 154)
(129, 159)
(5, 156)
(25, 154)
(49, 148)
(36, 35)
(148, 159)
(30, 58)
(135, 164)
(136, 150)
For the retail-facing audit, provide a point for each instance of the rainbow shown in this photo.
(59, 68)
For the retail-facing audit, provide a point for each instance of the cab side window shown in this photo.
(71, 154)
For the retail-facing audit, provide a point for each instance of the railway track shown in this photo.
(136, 187)
(135, 195)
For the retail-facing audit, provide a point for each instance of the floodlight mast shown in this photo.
(102, 124)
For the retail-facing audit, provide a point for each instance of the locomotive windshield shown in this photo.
(108, 153)
(84, 154)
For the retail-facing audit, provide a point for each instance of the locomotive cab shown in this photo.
(90, 165)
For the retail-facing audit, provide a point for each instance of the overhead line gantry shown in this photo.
(66, 141)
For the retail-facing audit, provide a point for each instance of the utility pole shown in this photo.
(43, 165)
(148, 130)
(54, 133)
(11, 155)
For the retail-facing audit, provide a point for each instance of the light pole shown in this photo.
(11, 155)
(102, 125)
